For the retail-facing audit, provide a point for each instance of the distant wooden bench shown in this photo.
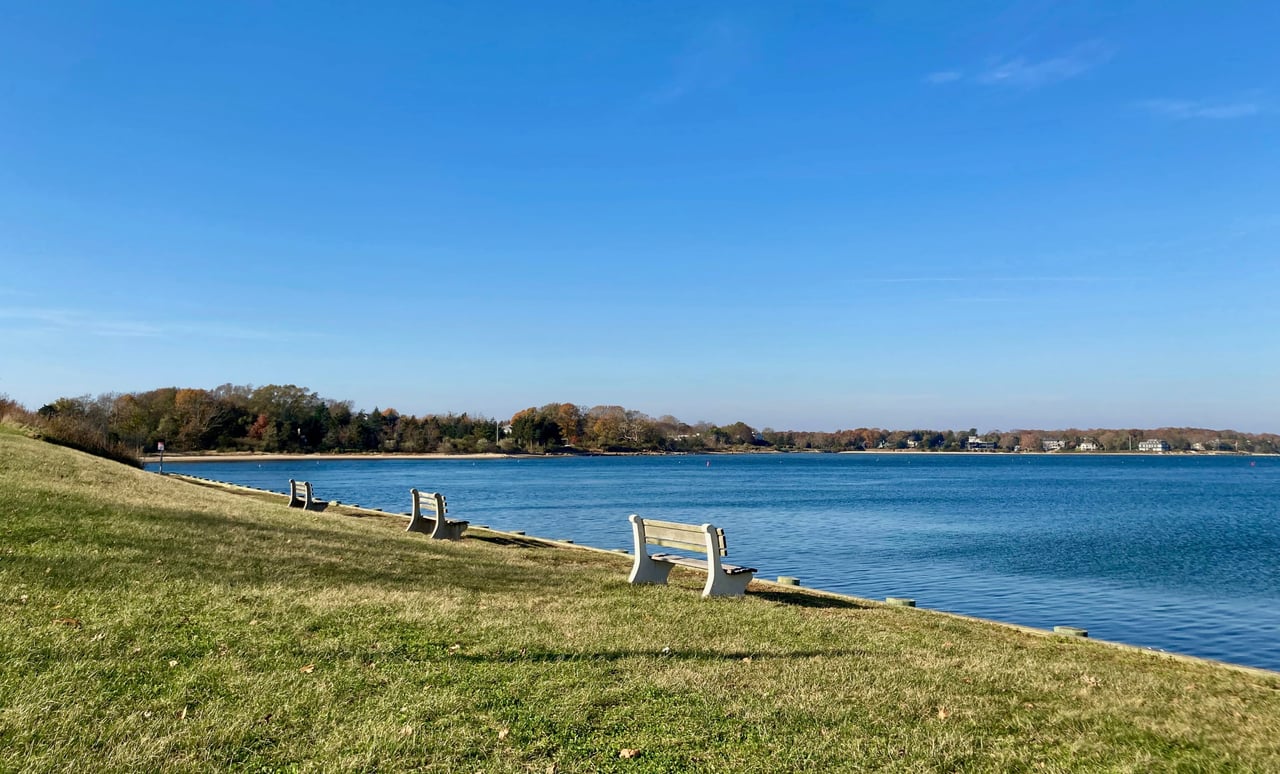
(434, 523)
(300, 494)
(723, 580)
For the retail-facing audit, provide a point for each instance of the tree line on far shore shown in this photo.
(288, 418)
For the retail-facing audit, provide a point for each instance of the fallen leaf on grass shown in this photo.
(23, 599)
(308, 669)
(406, 729)
(173, 662)
(628, 752)
(504, 733)
(943, 713)
(746, 660)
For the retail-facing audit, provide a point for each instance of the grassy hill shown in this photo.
(153, 624)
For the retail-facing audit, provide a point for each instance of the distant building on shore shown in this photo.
(1053, 444)
(977, 444)
(1089, 446)
(1153, 445)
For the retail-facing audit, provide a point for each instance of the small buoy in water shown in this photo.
(708, 463)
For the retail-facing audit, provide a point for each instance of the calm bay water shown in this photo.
(1176, 553)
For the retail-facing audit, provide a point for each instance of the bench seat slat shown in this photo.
(701, 564)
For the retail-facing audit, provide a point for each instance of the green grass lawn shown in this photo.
(153, 624)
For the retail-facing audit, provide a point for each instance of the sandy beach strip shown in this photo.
(255, 457)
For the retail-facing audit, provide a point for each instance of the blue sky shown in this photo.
(806, 216)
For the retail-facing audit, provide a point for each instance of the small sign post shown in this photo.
(160, 448)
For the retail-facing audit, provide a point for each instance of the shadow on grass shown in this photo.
(507, 540)
(674, 655)
(800, 599)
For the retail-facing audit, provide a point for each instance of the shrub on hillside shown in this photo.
(70, 429)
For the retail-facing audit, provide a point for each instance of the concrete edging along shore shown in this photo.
(774, 585)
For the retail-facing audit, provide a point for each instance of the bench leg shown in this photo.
(722, 584)
(645, 570)
(446, 531)
(449, 531)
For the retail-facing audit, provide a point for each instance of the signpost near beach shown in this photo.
(160, 448)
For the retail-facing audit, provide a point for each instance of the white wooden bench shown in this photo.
(300, 495)
(434, 523)
(723, 580)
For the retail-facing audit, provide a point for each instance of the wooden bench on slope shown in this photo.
(434, 524)
(300, 495)
(723, 580)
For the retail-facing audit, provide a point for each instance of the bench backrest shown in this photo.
(686, 537)
(300, 493)
(433, 502)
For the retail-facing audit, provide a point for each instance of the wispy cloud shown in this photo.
(1027, 73)
(943, 76)
(1021, 72)
(977, 279)
(72, 321)
(711, 59)
(1185, 109)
